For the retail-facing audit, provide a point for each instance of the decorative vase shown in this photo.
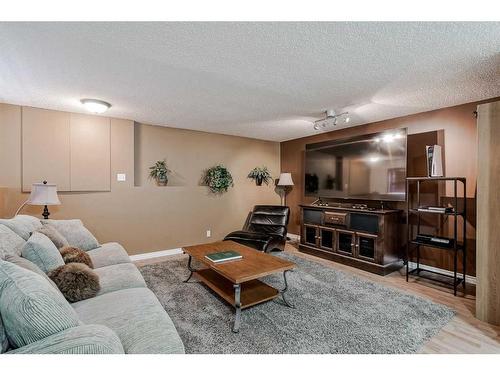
(258, 181)
(162, 181)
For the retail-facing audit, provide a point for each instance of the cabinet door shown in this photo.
(327, 239)
(311, 235)
(345, 242)
(90, 153)
(45, 148)
(366, 246)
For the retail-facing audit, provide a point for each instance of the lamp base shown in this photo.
(45, 213)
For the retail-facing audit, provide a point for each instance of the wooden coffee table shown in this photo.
(237, 281)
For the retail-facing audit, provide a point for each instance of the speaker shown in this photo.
(434, 161)
(363, 222)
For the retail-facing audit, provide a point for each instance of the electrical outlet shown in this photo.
(121, 177)
(209, 233)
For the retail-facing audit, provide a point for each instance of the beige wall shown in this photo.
(142, 216)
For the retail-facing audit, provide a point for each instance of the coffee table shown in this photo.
(236, 281)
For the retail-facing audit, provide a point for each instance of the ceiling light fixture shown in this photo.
(331, 119)
(95, 105)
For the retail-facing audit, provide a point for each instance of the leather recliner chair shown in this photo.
(265, 230)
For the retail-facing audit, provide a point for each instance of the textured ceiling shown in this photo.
(260, 80)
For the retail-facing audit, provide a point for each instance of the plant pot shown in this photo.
(162, 181)
(258, 181)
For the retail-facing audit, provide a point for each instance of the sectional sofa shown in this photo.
(124, 317)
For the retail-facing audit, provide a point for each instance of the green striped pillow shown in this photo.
(40, 250)
(30, 307)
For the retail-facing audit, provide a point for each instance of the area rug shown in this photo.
(335, 312)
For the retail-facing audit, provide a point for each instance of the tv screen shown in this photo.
(367, 167)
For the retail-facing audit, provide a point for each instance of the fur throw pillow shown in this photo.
(72, 254)
(54, 235)
(76, 281)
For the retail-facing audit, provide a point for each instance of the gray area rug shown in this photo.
(335, 313)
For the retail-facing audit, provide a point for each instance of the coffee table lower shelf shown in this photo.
(253, 292)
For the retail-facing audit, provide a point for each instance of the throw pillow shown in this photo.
(76, 234)
(72, 254)
(30, 308)
(10, 242)
(30, 266)
(22, 225)
(41, 251)
(54, 235)
(76, 281)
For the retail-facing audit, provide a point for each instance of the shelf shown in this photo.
(459, 246)
(462, 179)
(417, 272)
(415, 211)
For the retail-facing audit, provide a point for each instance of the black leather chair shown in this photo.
(265, 230)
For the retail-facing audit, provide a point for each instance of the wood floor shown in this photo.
(464, 334)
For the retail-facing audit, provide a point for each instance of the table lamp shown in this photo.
(42, 194)
(285, 182)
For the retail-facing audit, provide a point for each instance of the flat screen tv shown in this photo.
(367, 167)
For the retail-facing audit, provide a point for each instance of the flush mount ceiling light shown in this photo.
(95, 105)
(331, 119)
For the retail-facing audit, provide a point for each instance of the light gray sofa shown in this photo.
(125, 316)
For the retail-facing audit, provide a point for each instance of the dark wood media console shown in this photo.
(368, 239)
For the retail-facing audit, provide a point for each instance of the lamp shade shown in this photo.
(43, 194)
(285, 179)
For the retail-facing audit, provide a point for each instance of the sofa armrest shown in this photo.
(84, 339)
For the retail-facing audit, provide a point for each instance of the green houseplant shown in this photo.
(260, 175)
(159, 172)
(218, 179)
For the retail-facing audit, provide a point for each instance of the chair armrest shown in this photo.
(84, 339)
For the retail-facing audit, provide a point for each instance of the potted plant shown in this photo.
(218, 179)
(260, 175)
(159, 172)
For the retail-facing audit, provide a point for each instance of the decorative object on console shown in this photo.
(218, 179)
(71, 254)
(434, 161)
(42, 194)
(260, 175)
(265, 230)
(285, 183)
(76, 281)
(159, 172)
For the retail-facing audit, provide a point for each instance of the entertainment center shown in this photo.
(371, 169)
(359, 236)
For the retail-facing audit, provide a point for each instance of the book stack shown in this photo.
(442, 210)
(223, 256)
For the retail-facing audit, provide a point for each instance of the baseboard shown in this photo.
(155, 254)
(469, 279)
(294, 237)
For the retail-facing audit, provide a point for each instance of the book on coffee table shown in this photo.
(223, 256)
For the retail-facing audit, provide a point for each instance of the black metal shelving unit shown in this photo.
(457, 247)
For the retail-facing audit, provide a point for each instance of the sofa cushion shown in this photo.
(84, 339)
(40, 250)
(54, 235)
(108, 254)
(30, 266)
(75, 233)
(30, 307)
(119, 276)
(22, 225)
(137, 317)
(4, 342)
(10, 242)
